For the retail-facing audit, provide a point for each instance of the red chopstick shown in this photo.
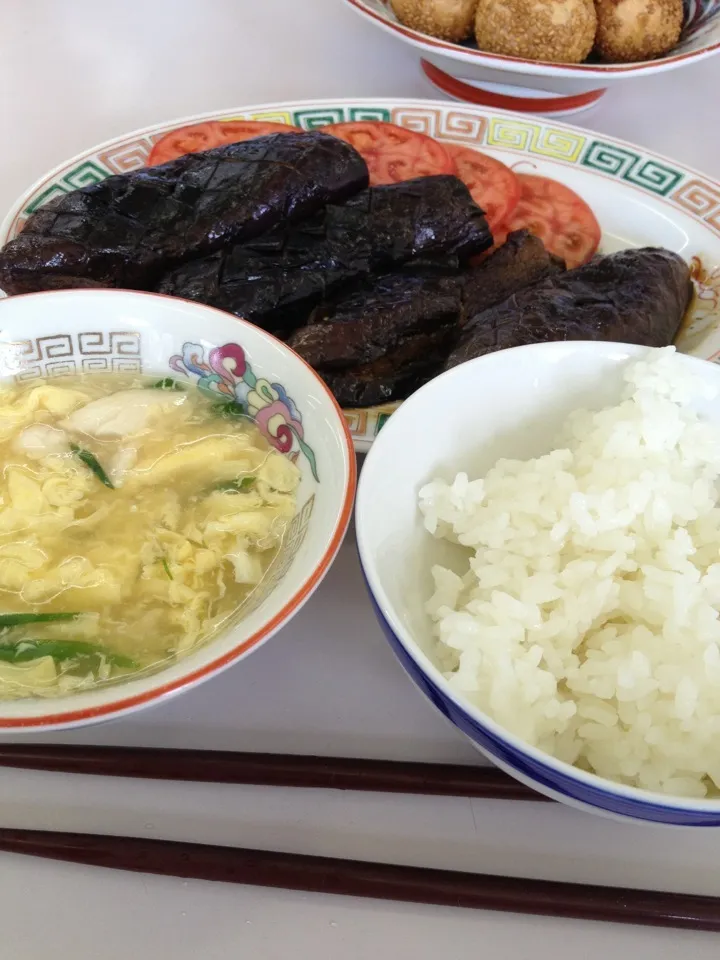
(278, 770)
(323, 874)
(382, 881)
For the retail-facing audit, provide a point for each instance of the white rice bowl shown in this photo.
(586, 620)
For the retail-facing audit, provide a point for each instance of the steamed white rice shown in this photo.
(585, 618)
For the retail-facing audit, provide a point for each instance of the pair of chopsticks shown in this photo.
(327, 874)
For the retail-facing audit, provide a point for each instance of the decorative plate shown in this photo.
(700, 39)
(639, 198)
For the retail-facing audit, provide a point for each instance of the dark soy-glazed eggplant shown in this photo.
(361, 325)
(635, 296)
(393, 376)
(519, 262)
(368, 323)
(426, 217)
(384, 340)
(126, 230)
(276, 281)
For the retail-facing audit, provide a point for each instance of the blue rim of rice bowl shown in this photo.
(533, 766)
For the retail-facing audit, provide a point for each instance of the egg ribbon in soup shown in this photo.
(135, 518)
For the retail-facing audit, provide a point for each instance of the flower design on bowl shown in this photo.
(227, 376)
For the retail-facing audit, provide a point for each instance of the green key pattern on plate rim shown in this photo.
(532, 137)
(524, 137)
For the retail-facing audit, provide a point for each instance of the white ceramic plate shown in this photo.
(700, 39)
(639, 198)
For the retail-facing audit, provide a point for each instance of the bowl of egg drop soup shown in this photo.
(175, 483)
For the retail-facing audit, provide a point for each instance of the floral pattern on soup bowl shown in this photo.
(70, 332)
(227, 375)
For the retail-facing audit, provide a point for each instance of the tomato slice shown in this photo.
(211, 133)
(558, 216)
(493, 186)
(393, 153)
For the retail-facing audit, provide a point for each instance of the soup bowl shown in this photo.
(70, 332)
(506, 404)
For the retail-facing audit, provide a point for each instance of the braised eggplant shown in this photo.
(634, 296)
(276, 280)
(383, 340)
(128, 229)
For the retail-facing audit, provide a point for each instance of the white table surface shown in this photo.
(73, 74)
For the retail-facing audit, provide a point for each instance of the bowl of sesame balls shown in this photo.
(546, 56)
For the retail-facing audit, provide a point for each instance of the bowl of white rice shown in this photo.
(539, 530)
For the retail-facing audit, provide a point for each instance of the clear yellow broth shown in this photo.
(135, 519)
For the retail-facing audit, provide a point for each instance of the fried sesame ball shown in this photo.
(631, 30)
(445, 19)
(553, 31)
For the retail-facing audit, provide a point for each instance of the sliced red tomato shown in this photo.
(558, 216)
(393, 153)
(493, 186)
(211, 133)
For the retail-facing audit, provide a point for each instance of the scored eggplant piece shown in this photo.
(395, 375)
(383, 340)
(634, 296)
(362, 325)
(425, 217)
(365, 325)
(519, 262)
(126, 230)
(276, 281)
